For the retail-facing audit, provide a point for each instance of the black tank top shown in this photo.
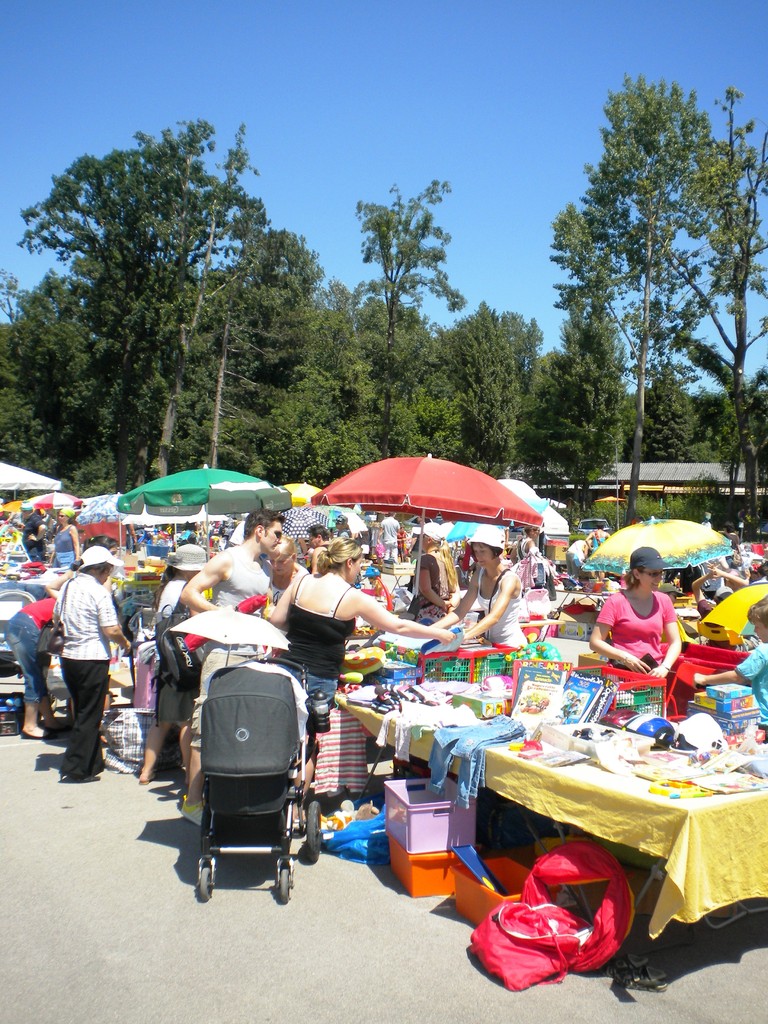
(317, 641)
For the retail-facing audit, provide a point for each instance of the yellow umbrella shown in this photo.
(301, 493)
(11, 506)
(732, 611)
(678, 541)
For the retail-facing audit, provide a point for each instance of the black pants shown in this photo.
(87, 682)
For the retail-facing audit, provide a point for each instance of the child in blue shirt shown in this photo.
(754, 669)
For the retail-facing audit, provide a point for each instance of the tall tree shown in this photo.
(670, 425)
(138, 229)
(409, 247)
(486, 382)
(725, 271)
(615, 248)
(574, 426)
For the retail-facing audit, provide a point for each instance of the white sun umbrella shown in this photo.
(334, 512)
(230, 627)
(146, 518)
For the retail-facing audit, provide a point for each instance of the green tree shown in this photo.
(723, 268)
(138, 230)
(60, 419)
(669, 421)
(485, 376)
(410, 249)
(615, 248)
(574, 423)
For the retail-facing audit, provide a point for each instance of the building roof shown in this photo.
(674, 473)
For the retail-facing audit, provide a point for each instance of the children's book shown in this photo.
(579, 697)
(539, 686)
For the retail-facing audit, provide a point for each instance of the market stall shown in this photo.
(708, 863)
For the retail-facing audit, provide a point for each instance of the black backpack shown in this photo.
(177, 666)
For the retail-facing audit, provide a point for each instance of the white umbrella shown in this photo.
(227, 626)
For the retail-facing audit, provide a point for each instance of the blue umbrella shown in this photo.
(461, 531)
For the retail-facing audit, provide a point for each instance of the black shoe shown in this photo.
(79, 778)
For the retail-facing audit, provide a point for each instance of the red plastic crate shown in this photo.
(646, 694)
(697, 658)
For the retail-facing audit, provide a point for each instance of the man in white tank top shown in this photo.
(233, 575)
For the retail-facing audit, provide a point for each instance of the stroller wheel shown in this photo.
(313, 840)
(205, 881)
(284, 881)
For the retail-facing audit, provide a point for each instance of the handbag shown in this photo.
(57, 637)
(44, 639)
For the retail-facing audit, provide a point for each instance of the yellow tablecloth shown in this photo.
(713, 846)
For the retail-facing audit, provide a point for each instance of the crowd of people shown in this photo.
(310, 590)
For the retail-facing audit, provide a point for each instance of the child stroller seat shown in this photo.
(253, 754)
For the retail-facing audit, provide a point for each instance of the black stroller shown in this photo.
(253, 759)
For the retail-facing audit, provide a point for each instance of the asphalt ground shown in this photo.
(101, 923)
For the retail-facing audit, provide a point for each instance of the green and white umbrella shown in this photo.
(218, 491)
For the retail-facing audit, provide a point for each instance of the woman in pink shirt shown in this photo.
(637, 627)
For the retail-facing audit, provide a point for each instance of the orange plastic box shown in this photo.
(475, 901)
(423, 874)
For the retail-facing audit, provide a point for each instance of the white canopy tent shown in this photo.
(555, 526)
(12, 478)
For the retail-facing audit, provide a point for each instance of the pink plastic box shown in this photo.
(421, 821)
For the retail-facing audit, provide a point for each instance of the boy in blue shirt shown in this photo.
(753, 671)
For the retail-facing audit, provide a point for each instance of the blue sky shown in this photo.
(342, 100)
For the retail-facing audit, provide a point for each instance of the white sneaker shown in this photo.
(192, 812)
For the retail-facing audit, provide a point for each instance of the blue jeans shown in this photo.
(312, 683)
(22, 635)
(468, 743)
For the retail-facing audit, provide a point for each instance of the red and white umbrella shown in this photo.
(56, 499)
(429, 487)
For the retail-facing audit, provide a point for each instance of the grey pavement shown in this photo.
(101, 923)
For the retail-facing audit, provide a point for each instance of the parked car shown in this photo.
(588, 525)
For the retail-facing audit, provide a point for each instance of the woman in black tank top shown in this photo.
(318, 614)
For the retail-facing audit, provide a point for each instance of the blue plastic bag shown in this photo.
(363, 841)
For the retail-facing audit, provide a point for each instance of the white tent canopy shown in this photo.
(14, 479)
(554, 524)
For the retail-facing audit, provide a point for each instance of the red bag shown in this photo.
(533, 941)
(579, 863)
(527, 946)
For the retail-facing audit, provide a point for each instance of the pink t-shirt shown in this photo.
(638, 634)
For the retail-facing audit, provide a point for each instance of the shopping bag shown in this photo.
(534, 605)
(125, 732)
(363, 841)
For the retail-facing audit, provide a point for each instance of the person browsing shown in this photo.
(233, 576)
(753, 671)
